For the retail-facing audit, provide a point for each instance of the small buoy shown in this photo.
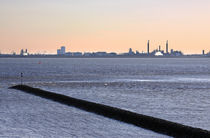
(105, 84)
(39, 62)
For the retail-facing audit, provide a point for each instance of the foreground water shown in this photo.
(172, 89)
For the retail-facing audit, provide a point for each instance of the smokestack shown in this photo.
(167, 47)
(148, 47)
(203, 52)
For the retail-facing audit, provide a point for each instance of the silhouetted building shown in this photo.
(68, 54)
(77, 54)
(112, 54)
(158, 53)
(24, 53)
(87, 54)
(58, 52)
(130, 52)
(172, 50)
(176, 53)
(63, 50)
(159, 48)
(100, 54)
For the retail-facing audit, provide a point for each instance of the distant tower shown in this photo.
(21, 52)
(159, 48)
(167, 47)
(130, 51)
(203, 52)
(148, 47)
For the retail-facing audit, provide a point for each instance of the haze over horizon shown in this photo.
(104, 25)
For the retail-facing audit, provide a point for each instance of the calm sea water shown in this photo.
(172, 89)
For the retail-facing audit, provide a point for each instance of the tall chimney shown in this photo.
(148, 47)
(167, 47)
(203, 52)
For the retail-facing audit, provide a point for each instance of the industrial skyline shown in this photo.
(149, 53)
(148, 49)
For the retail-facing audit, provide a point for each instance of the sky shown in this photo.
(42, 26)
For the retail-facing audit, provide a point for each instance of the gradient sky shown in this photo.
(104, 25)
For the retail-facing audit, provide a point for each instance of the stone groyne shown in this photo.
(151, 123)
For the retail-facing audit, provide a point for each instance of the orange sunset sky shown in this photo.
(104, 25)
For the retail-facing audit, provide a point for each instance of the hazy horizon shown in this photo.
(105, 25)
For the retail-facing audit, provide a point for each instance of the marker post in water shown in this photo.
(21, 78)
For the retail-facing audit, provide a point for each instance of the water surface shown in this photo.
(172, 89)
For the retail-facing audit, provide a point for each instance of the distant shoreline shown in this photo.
(56, 56)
